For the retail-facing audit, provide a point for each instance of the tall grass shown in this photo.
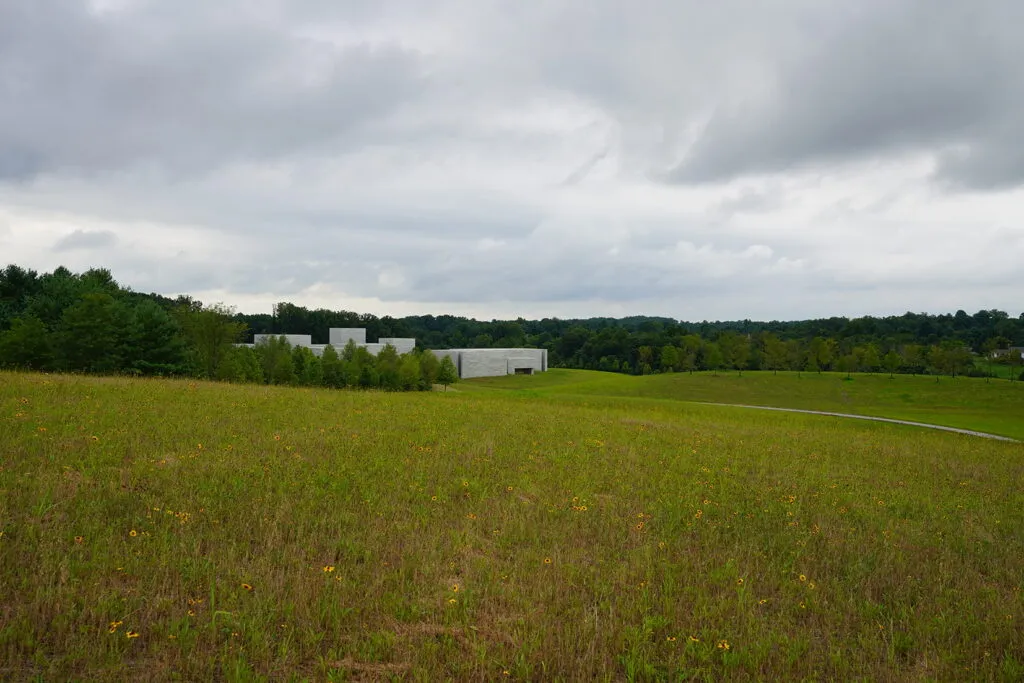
(160, 530)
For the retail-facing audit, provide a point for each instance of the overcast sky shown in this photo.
(763, 159)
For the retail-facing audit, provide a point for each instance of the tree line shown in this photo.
(913, 343)
(87, 322)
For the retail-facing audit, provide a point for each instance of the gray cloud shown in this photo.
(180, 91)
(885, 78)
(86, 239)
(725, 159)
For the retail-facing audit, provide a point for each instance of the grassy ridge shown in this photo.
(162, 529)
(996, 406)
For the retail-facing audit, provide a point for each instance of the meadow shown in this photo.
(568, 526)
(994, 406)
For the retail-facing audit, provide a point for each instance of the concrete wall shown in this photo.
(454, 354)
(293, 339)
(529, 364)
(483, 363)
(495, 362)
(401, 344)
(339, 336)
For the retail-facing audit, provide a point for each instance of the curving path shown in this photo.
(872, 418)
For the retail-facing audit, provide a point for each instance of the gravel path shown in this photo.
(969, 432)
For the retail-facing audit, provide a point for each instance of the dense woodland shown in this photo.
(87, 322)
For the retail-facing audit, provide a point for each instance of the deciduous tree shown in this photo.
(447, 373)
(209, 332)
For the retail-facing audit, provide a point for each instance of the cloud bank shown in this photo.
(673, 157)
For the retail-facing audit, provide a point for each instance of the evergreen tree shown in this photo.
(26, 345)
(153, 343)
(90, 335)
(17, 285)
(54, 293)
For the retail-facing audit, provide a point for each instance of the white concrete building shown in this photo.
(401, 344)
(496, 362)
(339, 337)
(293, 339)
(469, 362)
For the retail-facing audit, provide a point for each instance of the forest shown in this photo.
(88, 322)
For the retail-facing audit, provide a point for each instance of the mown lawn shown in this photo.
(173, 530)
(995, 406)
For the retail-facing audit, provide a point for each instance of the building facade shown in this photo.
(496, 362)
(469, 362)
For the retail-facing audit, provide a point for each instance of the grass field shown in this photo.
(994, 406)
(560, 529)
(999, 370)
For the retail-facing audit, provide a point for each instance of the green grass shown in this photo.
(969, 403)
(998, 370)
(485, 534)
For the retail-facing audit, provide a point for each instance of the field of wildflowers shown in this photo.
(176, 530)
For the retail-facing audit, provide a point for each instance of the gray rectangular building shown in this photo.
(496, 362)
